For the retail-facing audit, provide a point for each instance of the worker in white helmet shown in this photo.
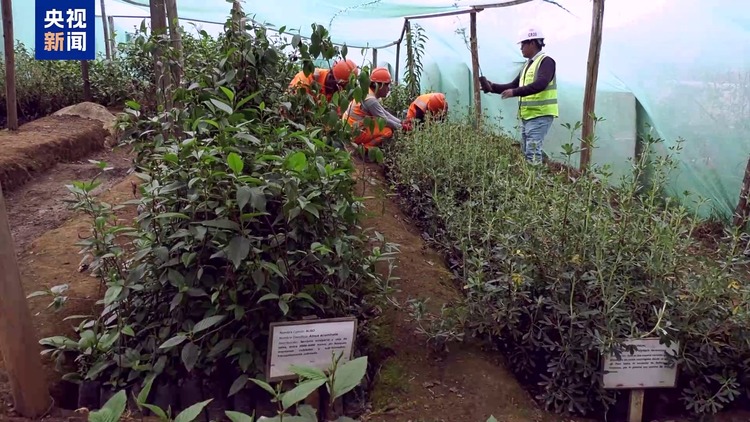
(536, 86)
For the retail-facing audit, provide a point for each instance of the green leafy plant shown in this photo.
(246, 216)
(415, 41)
(559, 269)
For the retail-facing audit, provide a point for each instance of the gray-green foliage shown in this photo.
(559, 269)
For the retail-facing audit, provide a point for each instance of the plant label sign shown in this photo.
(311, 343)
(647, 367)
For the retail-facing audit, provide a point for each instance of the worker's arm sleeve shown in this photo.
(543, 77)
(499, 88)
(374, 108)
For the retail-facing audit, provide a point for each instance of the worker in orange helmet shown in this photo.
(434, 103)
(329, 80)
(357, 113)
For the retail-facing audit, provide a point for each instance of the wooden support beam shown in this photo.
(18, 340)
(374, 57)
(112, 35)
(105, 28)
(10, 66)
(475, 70)
(741, 211)
(161, 70)
(176, 41)
(86, 80)
(592, 74)
(398, 61)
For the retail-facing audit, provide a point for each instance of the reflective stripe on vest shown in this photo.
(354, 113)
(543, 103)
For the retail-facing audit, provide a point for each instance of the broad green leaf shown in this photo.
(264, 385)
(192, 412)
(268, 296)
(297, 161)
(227, 92)
(174, 341)
(238, 249)
(238, 385)
(491, 419)
(243, 196)
(307, 372)
(173, 215)
(112, 409)
(190, 354)
(349, 375)
(146, 390)
(234, 161)
(300, 392)
(112, 294)
(226, 108)
(156, 410)
(207, 323)
(237, 416)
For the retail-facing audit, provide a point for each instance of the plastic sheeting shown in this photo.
(681, 66)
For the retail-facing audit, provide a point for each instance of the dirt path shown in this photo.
(38, 206)
(45, 232)
(467, 384)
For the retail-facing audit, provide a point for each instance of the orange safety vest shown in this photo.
(421, 104)
(305, 82)
(354, 114)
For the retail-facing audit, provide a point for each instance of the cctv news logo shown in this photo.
(65, 30)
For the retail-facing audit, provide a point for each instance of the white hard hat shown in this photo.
(530, 34)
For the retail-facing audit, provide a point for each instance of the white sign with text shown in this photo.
(647, 367)
(309, 343)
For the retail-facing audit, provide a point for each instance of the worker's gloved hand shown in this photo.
(406, 125)
(485, 84)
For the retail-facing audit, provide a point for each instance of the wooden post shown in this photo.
(475, 70)
(374, 57)
(592, 73)
(10, 65)
(112, 35)
(18, 340)
(398, 60)
(161, 70)
(176, 38)
(741, 211)
(635, 410)
(409, 51)
(86, 80)
(105, 28)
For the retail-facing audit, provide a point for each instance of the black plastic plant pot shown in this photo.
(88, 394)
(105, 393)
(244, 401)
(165, 395)
(191, 392)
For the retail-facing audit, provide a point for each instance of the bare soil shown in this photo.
(38, 146)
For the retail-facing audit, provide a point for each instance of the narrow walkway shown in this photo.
(467, 384)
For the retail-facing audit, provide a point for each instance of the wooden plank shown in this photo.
(18, 340)
(475, 70)
(10, 65)
(635, 410)
(592, 74)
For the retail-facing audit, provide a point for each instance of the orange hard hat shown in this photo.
(343, 68)
(437, 103)
(380, 75)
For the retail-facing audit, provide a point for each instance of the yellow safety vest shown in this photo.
(543, 103)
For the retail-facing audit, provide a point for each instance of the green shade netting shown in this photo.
(681, 66)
